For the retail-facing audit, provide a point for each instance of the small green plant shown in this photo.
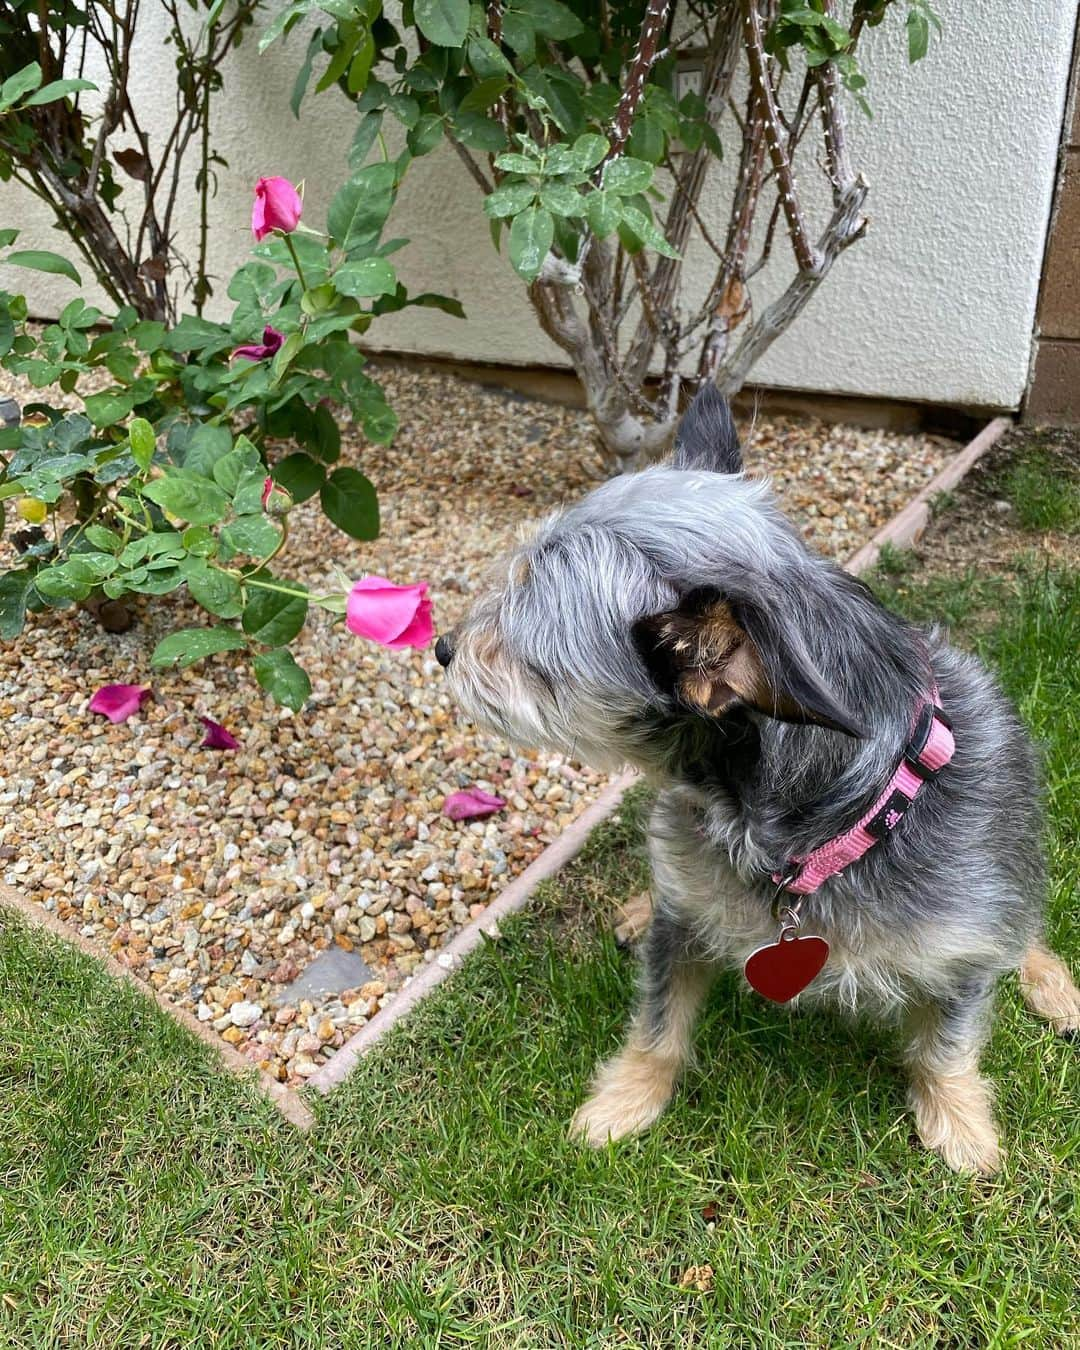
(165, 478)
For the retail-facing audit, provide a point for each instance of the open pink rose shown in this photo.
(393, 616)
(217, 737)
(277, 207)
(259, 351)
(118, 701)
(472, 804)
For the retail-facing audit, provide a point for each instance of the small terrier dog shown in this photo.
(821, 764)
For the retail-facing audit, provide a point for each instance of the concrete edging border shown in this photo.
(289, 1103)
(903, 530)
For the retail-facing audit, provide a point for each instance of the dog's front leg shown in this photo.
(950, 1099)
(631, 1090)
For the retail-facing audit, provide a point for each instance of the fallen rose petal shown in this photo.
(471, 804)
(118, 701)
(217, 737)
(394, 616)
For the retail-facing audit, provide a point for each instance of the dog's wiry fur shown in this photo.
(674, 620)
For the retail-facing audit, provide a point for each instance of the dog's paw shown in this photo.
(630, 1093)
(954, 1120)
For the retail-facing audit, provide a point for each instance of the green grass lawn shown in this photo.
(148, 1198)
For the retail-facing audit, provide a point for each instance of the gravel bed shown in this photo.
(220, 876)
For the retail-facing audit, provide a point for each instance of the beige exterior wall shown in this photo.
(937, 303)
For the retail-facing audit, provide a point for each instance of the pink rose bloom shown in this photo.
(259, 351)
(393, 616)
(277, 207)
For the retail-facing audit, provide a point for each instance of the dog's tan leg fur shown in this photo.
(1049, 989)
(951, 1101)
(631, 1090)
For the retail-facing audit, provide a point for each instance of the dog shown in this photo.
(674, 620)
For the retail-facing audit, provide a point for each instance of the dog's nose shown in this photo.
(444, 651)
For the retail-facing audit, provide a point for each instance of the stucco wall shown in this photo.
(937, 303)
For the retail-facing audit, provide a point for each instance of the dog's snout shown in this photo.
(444, 651)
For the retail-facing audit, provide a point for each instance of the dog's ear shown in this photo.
(707, 438)
(714, 654)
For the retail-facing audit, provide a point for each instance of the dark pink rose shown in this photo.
(270, 345)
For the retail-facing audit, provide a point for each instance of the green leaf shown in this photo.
(216, 590)
(604, 212)
(254, 535)
(530, 238)
(479, 132)
(198, 541)
(58, 89)
(588, 150)
(228, 470)
(273, 618)
(349, 500)
(625, 177)
(22, 82)
(300, 476)
(41, 260)
(285, 682)
(426, 135)
(360, 208)
(519, 33)
(562, 200)
(551, 19)
(14, 589)
(189, 645)
(100, 537)
(62, 583)
(143, 442)
(365, 278)
(509, 199)
(106, 409)
(189, 496)
(481, 96)
(918, 35)
(8, 237)
(444, 22)
(515, 163)
(303, 75)
(643, 228)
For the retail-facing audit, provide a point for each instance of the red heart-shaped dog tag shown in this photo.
(784, 968)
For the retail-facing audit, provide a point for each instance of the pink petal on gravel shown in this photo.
(471, 804)
(118, 701)
(217, 737)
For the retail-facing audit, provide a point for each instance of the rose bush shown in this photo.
(166, 478)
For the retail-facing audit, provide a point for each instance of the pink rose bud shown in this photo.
(277, 207)
(259, 351)
(275, 500)
(393, 616)
(117, 702)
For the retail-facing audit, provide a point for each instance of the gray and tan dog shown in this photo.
(674, 620)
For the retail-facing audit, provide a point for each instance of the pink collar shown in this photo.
(930, 748)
